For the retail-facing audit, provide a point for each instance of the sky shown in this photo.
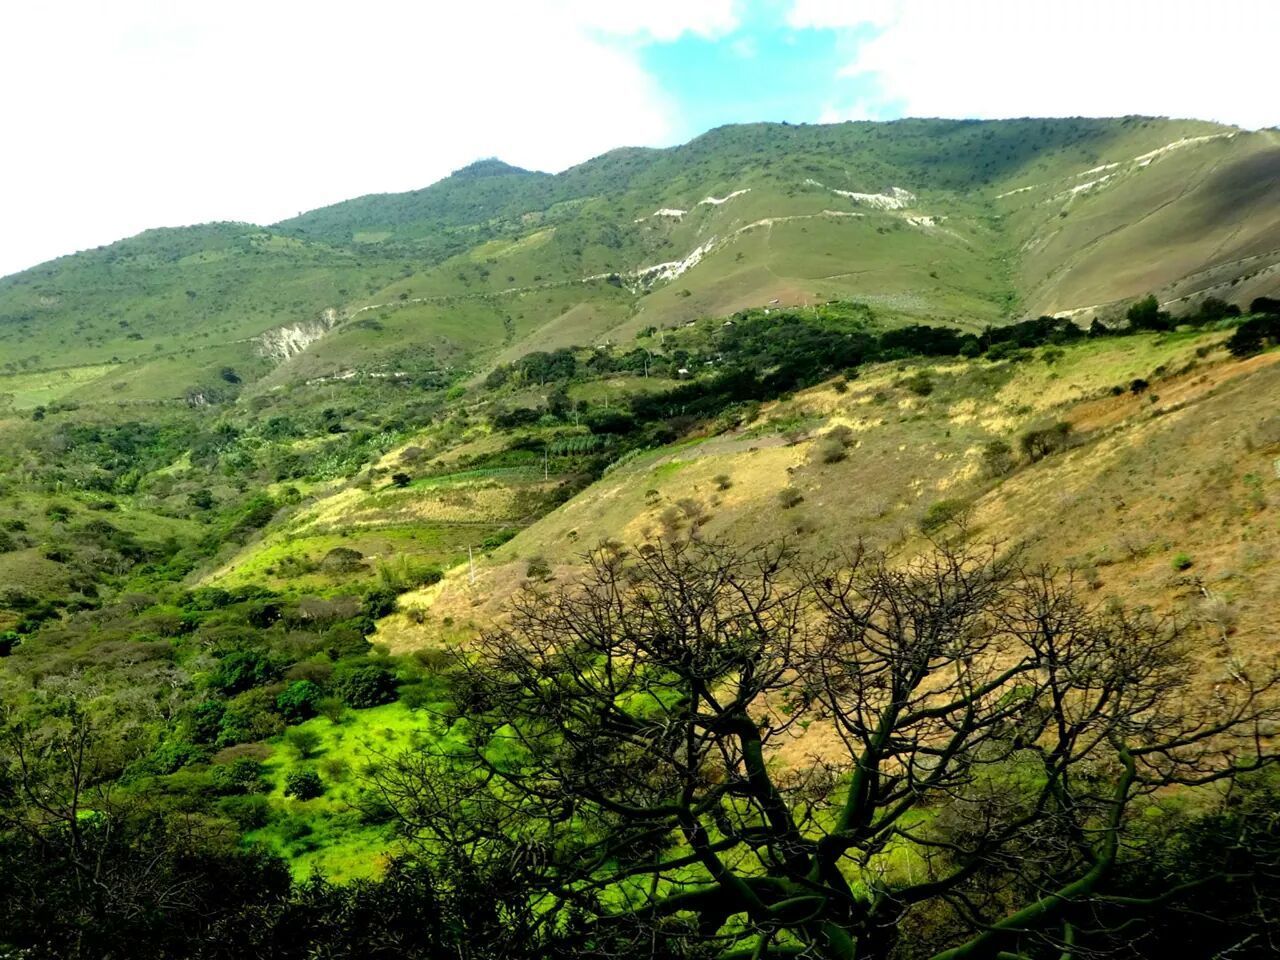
(123, 115)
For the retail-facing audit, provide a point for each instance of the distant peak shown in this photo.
(488, 167)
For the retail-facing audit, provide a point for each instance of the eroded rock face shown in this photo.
(287, 341)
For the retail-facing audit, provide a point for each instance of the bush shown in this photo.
(921, 384)
(789, 497)
(401, 480)
(1182, 562)
(303, 784)
(302, 743)
(940, 514)
(1254, 335)
(342, 560)
(1146, 314)
(1038, 444)
(831, 450)
(240, 670)
(298, 701)
(250, 716)
(240, 776)
(997, 458)
(247, 812)
(367, 686)
(332, 709)
(537, 569)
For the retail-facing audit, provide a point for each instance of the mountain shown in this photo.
(267, 493)
(964, 222)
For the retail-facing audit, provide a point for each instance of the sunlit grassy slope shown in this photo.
(1190, 468)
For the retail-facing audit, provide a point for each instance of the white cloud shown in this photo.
(137, 113)
(1008, 58)
(660, 19)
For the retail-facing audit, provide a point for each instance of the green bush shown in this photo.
(940, 514)
(1038, 444)
(997, 458)
(1182, 562)
(248, 812)
(298, 701)
(789, 497)
(240, 670)
(303, 784)
(366, 686)
(240, 776)
(302, 743)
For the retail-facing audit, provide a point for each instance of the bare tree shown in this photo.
(995, 741)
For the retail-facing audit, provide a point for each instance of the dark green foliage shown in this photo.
(243, 775)
(342, 560)
(303, 785)
(940, 514)
(1255, 335)
(1038, 444)
(1145, 314)
(1269, 305)
(997, 458)
(238, 670)
(364, 685)
(299, 701)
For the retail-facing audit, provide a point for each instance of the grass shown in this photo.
(27, 390)
(327, 834)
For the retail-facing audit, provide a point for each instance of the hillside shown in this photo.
(273, 496)
(968, 222)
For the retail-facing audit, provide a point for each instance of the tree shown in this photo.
(994, 743)
(1145, 314)
(365, 686)
(298, 701)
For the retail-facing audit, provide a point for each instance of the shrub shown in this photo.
(831, 450)
(1038, 444)
(722, 481)
(239, 670)
(302, 743)
(298, 701)
(367, 686)
(332, 709)
(1182, 562)
(1146, 314)
(1254, 335)
(997, 458)
(250, 716)
(789, 497)
(401, 480)
(303, 784)
(537, 569)
(239, 776)
(921, 384)
(342, 560)
(940, 514)
(247, 812)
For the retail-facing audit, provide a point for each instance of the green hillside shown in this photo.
(872, 523)
(965, 222)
